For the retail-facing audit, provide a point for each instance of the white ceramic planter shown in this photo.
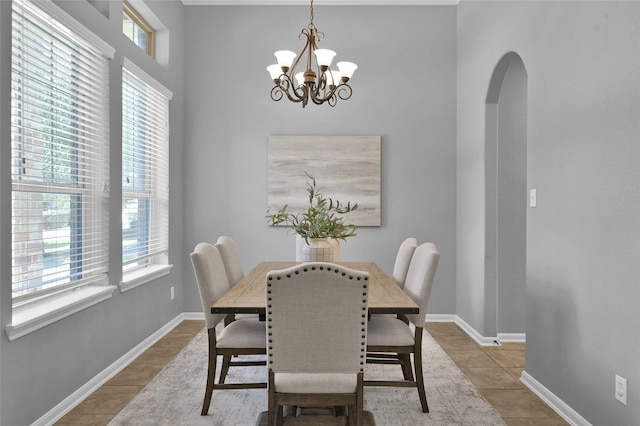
(318, 250)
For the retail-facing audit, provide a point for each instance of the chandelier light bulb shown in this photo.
(300, 78)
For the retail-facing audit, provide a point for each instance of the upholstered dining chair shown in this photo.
(403, 259)
(231, 259)
(317, 332)
(240, 337)
(233, 266)
(401, 265)
(390, 335)
(300, 243)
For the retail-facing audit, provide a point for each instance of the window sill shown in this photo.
(138, 277)
(36, 315)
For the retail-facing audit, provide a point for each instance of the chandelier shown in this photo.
(318, 83)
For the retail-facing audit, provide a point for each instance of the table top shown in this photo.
(248, 295)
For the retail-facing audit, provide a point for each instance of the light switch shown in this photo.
(533, 198)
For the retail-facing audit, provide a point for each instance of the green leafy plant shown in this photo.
(323, 218)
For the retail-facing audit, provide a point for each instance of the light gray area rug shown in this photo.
(174, 397)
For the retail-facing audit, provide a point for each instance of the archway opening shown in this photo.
(506, 200)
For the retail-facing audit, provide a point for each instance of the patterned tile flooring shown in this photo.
(495, 372)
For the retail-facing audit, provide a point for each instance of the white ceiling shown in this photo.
(319, 2)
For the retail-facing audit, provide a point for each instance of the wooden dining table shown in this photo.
(248, 294)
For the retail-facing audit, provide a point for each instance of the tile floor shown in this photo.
(495, 371)
(102, 405)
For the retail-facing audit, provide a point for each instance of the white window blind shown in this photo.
(59, 150)
(145, 169)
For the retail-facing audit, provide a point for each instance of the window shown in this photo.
(145, 173)
(59, 141)
(137, 29)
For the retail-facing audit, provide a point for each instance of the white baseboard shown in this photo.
(441, 318)
(512, 337)
(192, 316)
(105, 375)
(480, 339)
(566, 412)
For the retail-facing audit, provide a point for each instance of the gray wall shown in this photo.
(42, 368)
(583, 156)
(404, 90)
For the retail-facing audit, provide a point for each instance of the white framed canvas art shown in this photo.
(346, 168)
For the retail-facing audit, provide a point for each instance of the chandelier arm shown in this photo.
(285, 87)
(276, 93)
(329, 98)
(343, 91)
(290, 90)
(298, 95)
(303, 34)
(321, 96)
(322, 81)
(312, 38)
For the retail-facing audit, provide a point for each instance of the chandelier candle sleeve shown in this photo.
(318, 83)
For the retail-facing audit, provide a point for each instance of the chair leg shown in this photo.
(405, 360)
(271, 413)
(280, 416)
(226, 361)
(417, 361)
(211, 372)
(359, 408)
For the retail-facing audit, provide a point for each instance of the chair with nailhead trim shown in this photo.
(241, 337)
(387, 334)
(317, 338)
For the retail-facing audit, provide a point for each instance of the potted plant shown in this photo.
(322, 221)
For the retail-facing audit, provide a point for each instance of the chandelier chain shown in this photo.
(311, 25)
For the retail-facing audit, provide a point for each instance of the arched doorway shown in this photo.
(506, 199)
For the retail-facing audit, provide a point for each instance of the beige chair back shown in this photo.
(419, 282)
(403, 259)
(211, 278)
(317, 319)
(231, 259)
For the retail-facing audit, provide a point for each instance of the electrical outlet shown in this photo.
(621, 389)
(172, 293)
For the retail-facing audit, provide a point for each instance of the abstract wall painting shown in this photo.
(346, 168)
